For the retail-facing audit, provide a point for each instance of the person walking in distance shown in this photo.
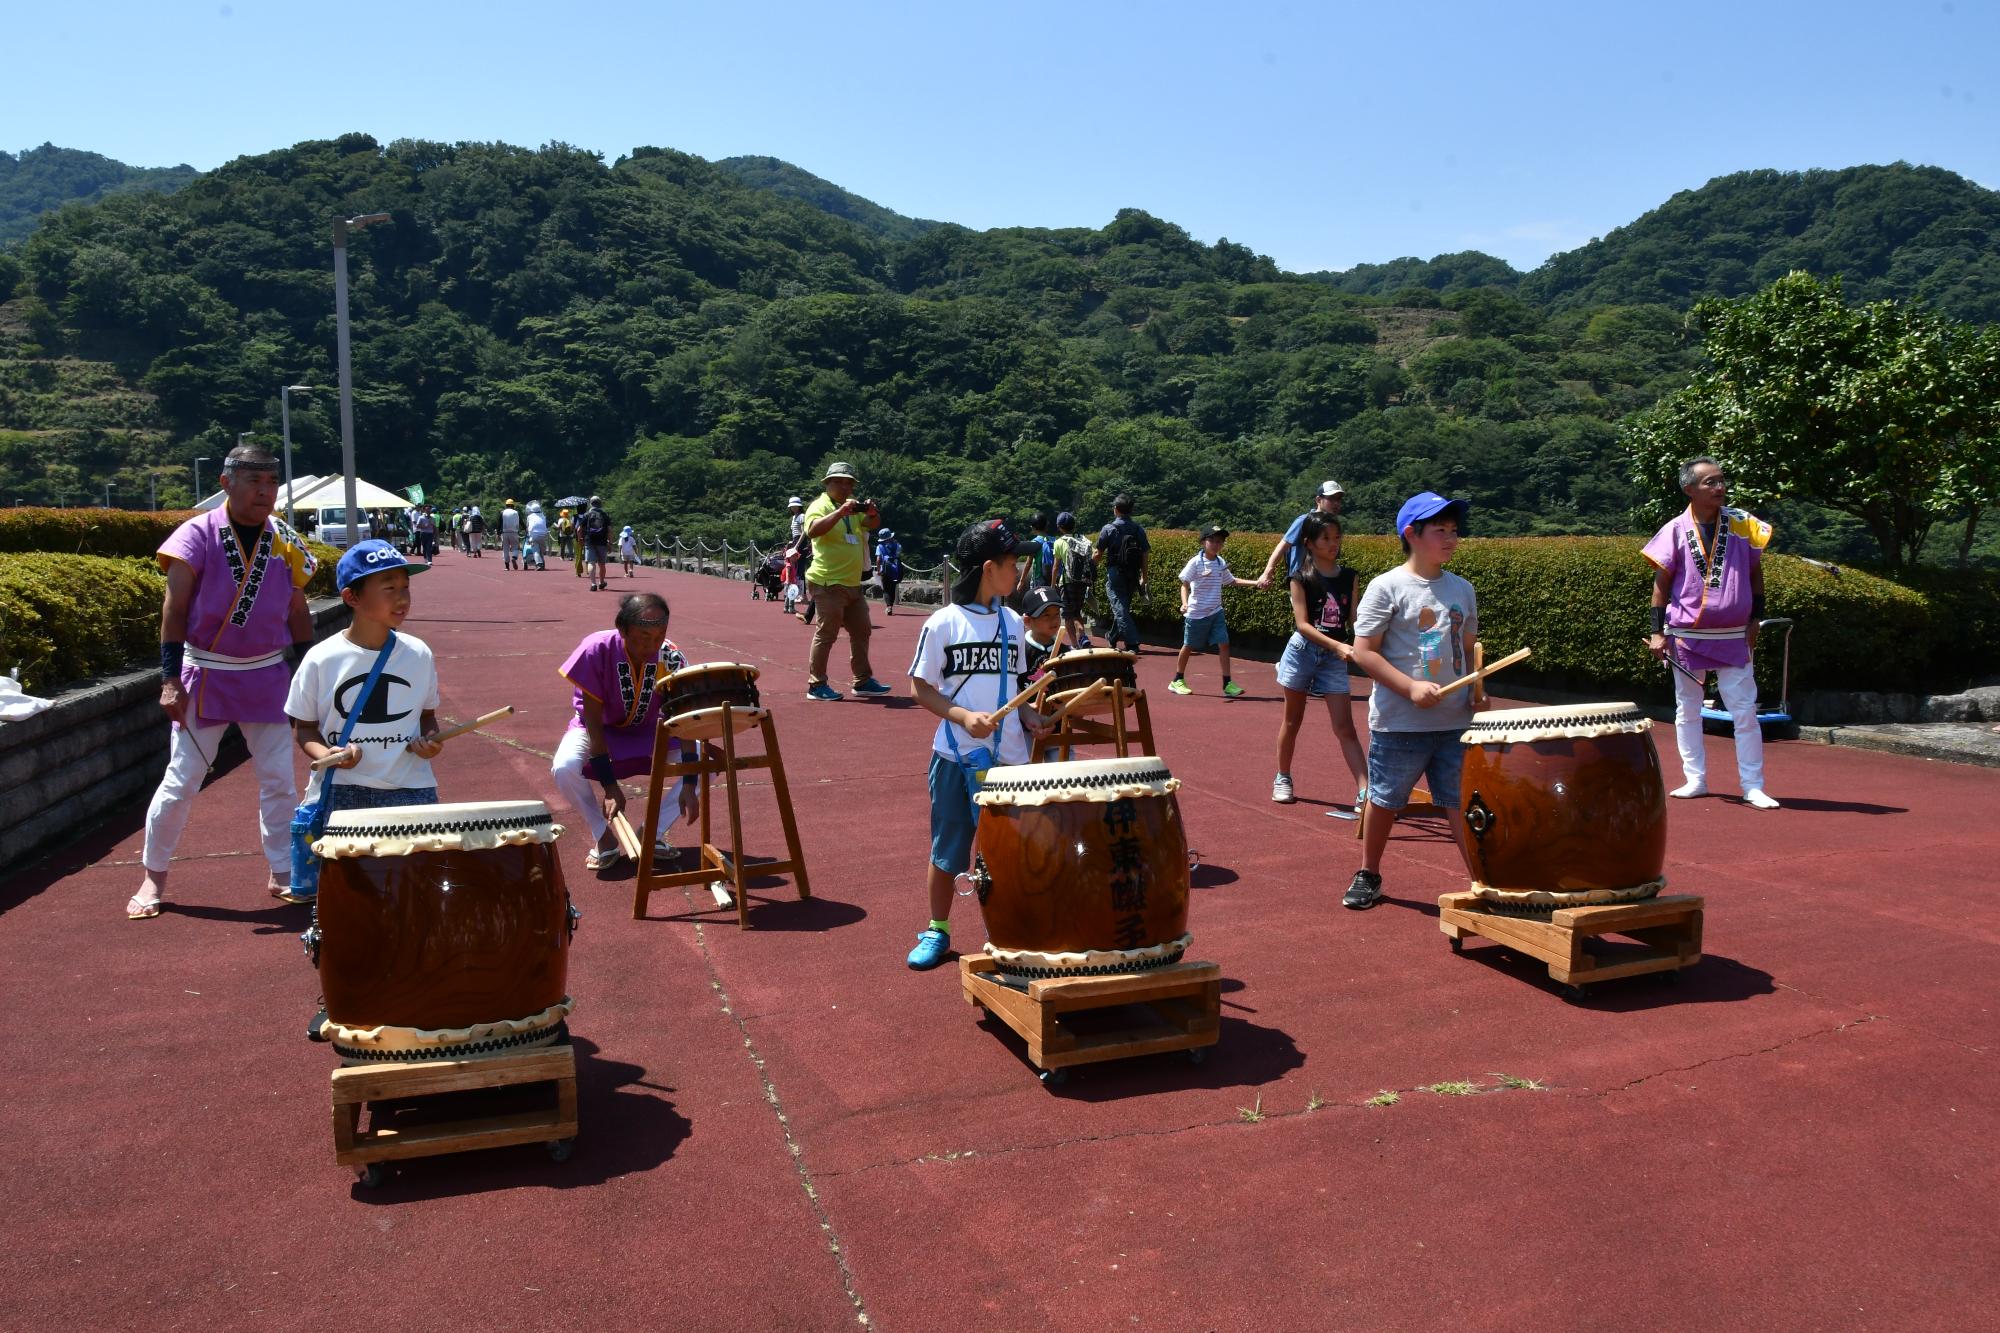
(235, 601)
(1290, 548)
(838, 525)
(476, 525)
(1124, 547)
(1074, 562)
(535, 549)
(889, 565)
(595, 529)
(1708, 597)
(510, 536)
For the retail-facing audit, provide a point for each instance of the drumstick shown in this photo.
(1086, 692)
(1021, 698)
(628, 839)
(329, 760)
(1518, 655)
(475, 724)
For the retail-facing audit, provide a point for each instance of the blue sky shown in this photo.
(1320, 134)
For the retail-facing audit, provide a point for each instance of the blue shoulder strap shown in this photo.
(361, 700)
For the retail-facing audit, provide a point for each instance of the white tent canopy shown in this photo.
(328, 492)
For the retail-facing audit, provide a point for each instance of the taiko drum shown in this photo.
(441, 931)
(1566, 800)
(1081, 868)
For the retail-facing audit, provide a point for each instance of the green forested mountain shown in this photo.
(780, 177)
(46, 178)
(1445, 273)
(1895, 231)
(536, 321)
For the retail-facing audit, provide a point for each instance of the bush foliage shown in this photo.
(67, 616)
(1580, 603)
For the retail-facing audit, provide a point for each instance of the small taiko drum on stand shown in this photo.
(1564, 807)
(694, 696)
(1081, 868)
(441, 931)
(1082, 667)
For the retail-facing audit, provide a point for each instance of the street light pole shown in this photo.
(197, 478)
(285, 416)
(340, 226)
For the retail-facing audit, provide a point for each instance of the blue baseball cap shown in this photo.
(1429, 504)
(373, 556)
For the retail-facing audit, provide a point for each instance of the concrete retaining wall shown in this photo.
(102, 745)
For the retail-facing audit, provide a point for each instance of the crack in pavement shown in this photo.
(833, 1242)
(1814, 1035)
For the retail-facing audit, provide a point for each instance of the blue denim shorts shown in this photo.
(1309, 667)
(1206, 632)
(954, 815)
(1396, 759)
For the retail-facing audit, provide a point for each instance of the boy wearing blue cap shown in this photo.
(1413, 634)
(386, 758)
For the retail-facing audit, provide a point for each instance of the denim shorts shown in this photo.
(954, 816)
(1396, 759)
(1206, 632)
(1309, 667)
(348, 796)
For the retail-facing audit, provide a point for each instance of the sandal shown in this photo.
(141, 909)
(597, 859)
(283, 893)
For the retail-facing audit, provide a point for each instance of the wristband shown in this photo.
(297, 654)
(600, 769)
(1756, 606)
(1659, 620)
(171, 655)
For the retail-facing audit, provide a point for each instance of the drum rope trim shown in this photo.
(1541, 902)
(416, 1041)
(1585, 722)
(1077, 787)
(1040, 964)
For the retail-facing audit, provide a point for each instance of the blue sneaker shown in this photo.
(931, 948)
(870, 686)
(822, 692)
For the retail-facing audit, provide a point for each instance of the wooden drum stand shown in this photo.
(1079, 726)
(717, 729)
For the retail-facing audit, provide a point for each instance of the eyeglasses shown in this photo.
(1717, 480)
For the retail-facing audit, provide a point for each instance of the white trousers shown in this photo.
(1738, 688)
(586, 797)
(277, 794)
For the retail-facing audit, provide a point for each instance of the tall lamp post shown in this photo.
(340, 226)
(285, 416)
(197, 478)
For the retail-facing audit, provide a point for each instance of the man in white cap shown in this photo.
(1328, 501)
(838, 526)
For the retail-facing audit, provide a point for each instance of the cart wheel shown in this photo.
(560, 1149)
(1572, 991)
(1196, 1054)
(372, 1176)
(1457, 945)
(1054, 1078)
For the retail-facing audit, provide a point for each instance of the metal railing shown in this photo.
(725, 559)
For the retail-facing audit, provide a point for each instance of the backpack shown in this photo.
(1125, 548)
(596, 523)
(1074, 562)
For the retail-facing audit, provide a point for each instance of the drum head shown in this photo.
(399, 830)
(1573, 722)
(1077, 780)
(689, 675)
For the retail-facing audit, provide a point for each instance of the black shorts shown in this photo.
(1073, 597)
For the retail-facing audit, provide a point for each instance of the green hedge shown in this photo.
(128, 532)
(1580, 603)
(66, 616)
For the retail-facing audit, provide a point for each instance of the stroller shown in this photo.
(769, 577)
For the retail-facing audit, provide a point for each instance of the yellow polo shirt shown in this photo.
(838, 555)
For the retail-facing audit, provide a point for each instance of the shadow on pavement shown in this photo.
(624, 1126)
(1248, 1055)
(1714, 980)
(1842, 807)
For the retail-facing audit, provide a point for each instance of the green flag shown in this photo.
(416, 494)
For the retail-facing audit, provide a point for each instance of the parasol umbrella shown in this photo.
(573, 502)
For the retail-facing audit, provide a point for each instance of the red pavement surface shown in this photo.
(786, 1129)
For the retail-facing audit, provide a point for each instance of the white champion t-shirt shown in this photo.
(326, 686)
(958, 652)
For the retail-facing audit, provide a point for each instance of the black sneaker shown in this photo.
(1364, 891)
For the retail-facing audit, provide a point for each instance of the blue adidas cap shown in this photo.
(1429, 504)
(373, 556)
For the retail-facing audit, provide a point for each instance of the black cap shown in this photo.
(1215, 530)
(990, 539)
(1037, 601)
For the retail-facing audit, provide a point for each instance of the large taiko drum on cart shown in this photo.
(1563, 806)
(441, 931)
(1082, 868)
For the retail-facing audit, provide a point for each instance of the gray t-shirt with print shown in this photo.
(1423, 624)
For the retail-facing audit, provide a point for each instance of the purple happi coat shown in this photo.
(239, 621)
